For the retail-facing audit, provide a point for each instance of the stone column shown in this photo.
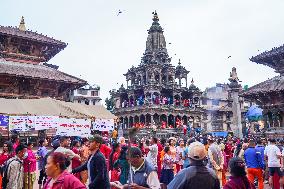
(160, 78)
(186, 82)
(147, 78)
(151, 116)
(234, 90)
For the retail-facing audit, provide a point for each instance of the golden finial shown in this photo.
(22, 26)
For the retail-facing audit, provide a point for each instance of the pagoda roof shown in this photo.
(30, 35)
(271, 85)
(270, 58)
(37, 71)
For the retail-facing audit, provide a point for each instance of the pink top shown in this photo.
(31, 159)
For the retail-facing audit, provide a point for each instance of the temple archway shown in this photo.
(171, 121)
(148, 119)
(142, 119)
(126, 124)
(156, 119)
(131, 121)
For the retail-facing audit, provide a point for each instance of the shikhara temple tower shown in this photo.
(157, 92)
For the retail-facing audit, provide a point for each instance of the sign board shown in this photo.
(74, 127)
(21, 123)
(45, 122)
(103, 124)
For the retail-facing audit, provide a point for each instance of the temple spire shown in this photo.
(22, 26)
(156, 51)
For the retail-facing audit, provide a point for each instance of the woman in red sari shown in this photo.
(112, 159)
(5, 155)
(75, 161)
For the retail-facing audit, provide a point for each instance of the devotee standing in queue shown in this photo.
(123, 165)
(179, 161)
(64, 148)
(142, 173)
(216, 160)
(85, 153)
(15, 169)
(41, 153)
(197, 175)
(167, 174)
(30, 168)
(76, 162)
(153, 152)
(238, 178)
(59, 178)
(114, 172)
(96, 165)
(254, 164)
(273, 156)
(7, 153)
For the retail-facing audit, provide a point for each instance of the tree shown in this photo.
(109, 102)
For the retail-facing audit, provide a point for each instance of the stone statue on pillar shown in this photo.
(235, 88)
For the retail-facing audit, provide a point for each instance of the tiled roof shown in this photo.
(36, 71)
(270, 85)
(267, 56)
(8, 30)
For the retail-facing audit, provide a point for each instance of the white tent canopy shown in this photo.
(52, 107)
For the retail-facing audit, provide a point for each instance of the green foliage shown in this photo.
(109, 102)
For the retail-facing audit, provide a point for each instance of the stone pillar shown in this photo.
(179, 81)
(160, 78)
(186, 82)
(151, 116)
(234, 90)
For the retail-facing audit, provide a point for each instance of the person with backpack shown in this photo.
(7, 153)
(14, 170)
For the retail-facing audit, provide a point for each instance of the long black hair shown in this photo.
(238, 169)
(114, 147)
(123, 154)
(10, 147)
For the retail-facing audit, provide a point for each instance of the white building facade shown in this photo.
(89, 95)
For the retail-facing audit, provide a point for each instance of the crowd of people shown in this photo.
(157, 100)
(200, 161)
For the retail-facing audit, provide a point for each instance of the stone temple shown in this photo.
(157, 92)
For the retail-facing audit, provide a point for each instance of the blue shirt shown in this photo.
(42, 151)
(261, 148)
(253, 158)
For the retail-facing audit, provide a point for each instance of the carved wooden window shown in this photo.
(94, 93)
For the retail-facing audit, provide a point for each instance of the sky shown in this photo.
(203, 34)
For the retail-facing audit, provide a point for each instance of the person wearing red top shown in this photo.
(16, 141)
(105, 150)
(159, 163)
(59, 178)
(29, 168)
(228, 151)
(76, 161)
(112, 159)
(6, 155)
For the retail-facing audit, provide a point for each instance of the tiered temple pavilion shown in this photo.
(157, 92)
(270, 93)
(24, 72)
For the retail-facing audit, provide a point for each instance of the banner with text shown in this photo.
(74, 127)
(21, 123)
(103, 124)
(46, 122)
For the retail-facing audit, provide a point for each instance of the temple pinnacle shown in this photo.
(155, 16)
(22, 26)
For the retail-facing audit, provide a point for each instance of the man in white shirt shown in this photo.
(273, 156)
(64, 145)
